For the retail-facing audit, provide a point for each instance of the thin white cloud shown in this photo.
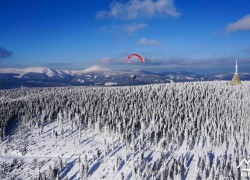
(151, 42)
(135, 9)
(131, 29)
(217, 62)
(242, 24)
(124, 29)
(106, 60)
(112, 61)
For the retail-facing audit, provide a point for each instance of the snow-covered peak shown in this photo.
(49, 72)
(94, 69)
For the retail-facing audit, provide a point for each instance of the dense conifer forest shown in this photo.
(198, 129)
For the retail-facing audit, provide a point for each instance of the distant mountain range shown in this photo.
(98, 76)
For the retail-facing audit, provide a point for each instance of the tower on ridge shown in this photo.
(236, 78)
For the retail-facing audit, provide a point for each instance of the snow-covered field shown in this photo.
(165, 131)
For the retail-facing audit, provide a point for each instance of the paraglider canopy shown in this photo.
(135, 55)
(138, 57)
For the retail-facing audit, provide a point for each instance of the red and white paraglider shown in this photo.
(137, 56)
(134, 56)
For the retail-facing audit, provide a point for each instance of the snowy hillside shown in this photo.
(99, 76)
(95, 69)
(196, 130)
(51, 72)
(41, 70)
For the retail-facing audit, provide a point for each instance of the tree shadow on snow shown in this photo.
(67, 169)
(44, 132)
(129, 176)
(11, 126)
(167, 155)
(188, 166)
(211, 157)
(87, 139)
(117, 149)
(121, 165)
(74, 176)
(129, 157)
(94, 168)
(149, 157)
(190, 160)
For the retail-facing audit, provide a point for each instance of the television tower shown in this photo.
(236, 78)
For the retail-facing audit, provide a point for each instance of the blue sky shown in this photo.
(195, 35)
